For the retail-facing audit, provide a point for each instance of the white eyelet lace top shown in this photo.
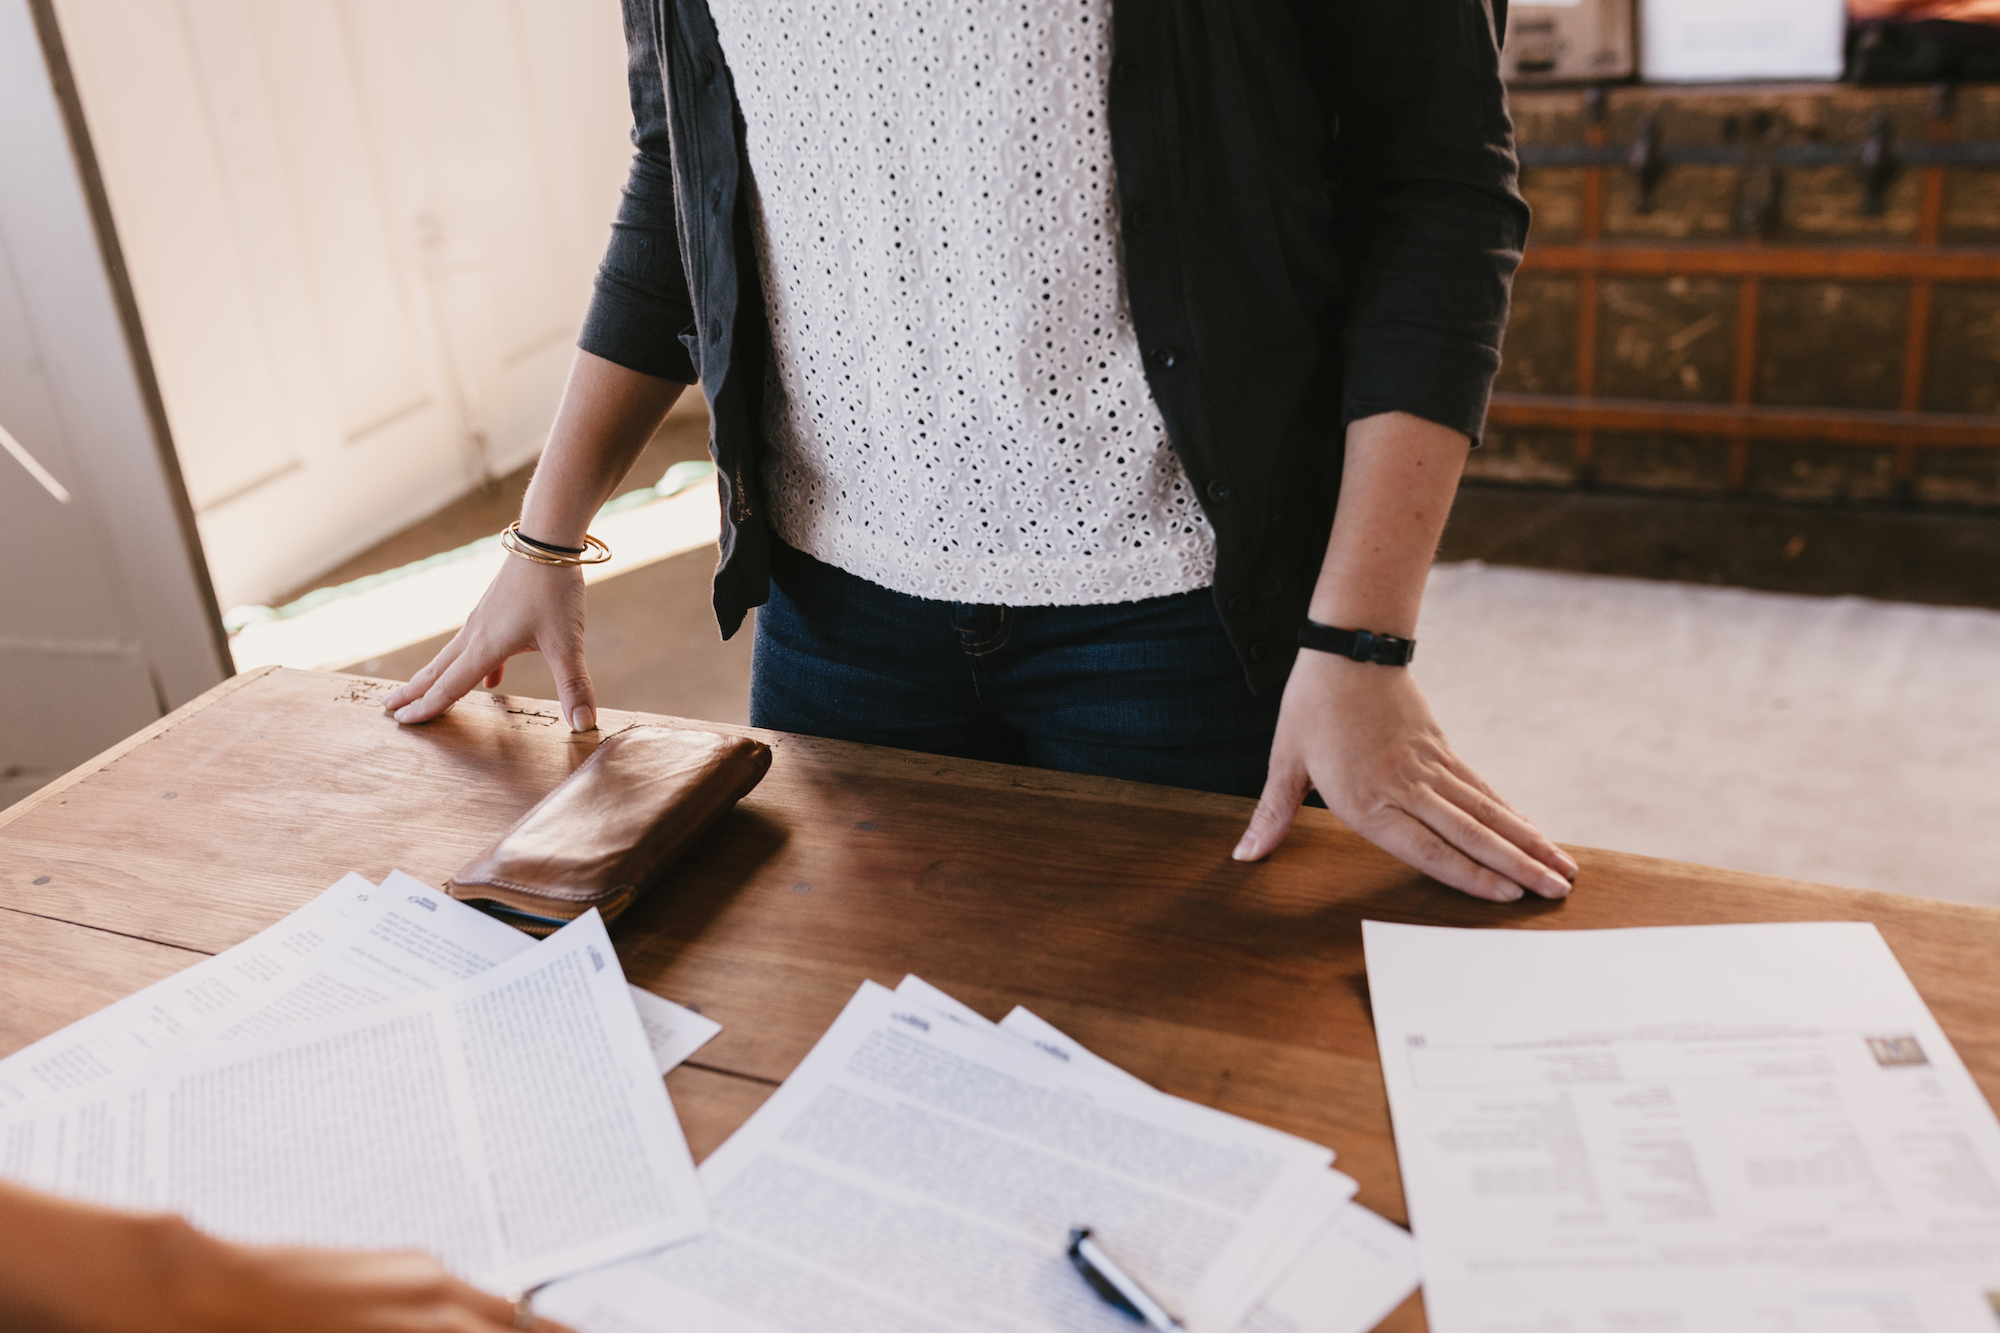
(957, 408)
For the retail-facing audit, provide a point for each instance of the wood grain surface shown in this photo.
(53, 973)
(1110, 908)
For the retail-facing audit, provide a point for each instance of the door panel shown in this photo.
(105, 617)
(66, 588)
(361, 234)
(377, 365)
(196, 295)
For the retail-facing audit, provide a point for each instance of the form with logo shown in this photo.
(1742, 1127)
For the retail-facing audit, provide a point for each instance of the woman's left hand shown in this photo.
(1362, 735)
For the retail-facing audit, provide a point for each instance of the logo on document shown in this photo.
(1890, 1051)
(424, 903)
(596, 958)
(912, 1020)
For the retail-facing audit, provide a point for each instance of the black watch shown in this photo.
(1360, 644)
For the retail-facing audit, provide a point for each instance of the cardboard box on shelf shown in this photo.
(1568, 41)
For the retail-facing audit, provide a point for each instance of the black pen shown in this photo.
(1117, 1286)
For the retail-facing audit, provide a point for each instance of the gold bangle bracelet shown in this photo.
(594, 552)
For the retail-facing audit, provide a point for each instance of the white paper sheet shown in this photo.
(914, 987)
(513, 1124)
(1746, 1127)
(673, 1031)
(1359, 1267)
(1315, 1215)
(921, 1174)
(353, 946)
(1353, 1276)
(161, 1018)
(409, 938)
(436, 939)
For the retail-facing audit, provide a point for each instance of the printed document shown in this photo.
(1742, 1127)
(143, 1026)
(917, 1173)
(1358, 1268)
(353, 946)
(513, 1124)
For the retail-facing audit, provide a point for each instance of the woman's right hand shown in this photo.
(528, 607)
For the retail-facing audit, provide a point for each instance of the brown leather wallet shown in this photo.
(613, 828)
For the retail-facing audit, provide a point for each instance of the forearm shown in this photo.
(1361, 734)
(72, 1267)
(1396, 491)
(607, 415)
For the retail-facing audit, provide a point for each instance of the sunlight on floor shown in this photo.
(435, 601)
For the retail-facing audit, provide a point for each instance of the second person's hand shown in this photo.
(527, 608)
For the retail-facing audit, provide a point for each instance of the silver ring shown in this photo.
(524, 1314)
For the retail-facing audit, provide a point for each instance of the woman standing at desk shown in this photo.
(1070, 366)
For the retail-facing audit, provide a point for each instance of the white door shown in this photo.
(361, 234)
(106, 621)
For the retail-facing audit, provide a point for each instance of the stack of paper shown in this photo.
(386, 1068)
(352, 946)
(1745, 1127)
(922, 1169)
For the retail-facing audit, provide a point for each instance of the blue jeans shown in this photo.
(1149, 690)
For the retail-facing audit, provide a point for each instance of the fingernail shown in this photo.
(582, 718)
(1512, 893)
(1245, 849)
(1558, 887)
(1568, 864)
(403, 713)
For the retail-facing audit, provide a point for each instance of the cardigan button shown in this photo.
(1219, 490)
(1242, 604)
(707, 72)
(1143, 219)
(1164, 357)
(1259, 651)
(1127, 69)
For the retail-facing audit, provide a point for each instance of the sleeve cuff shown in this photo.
(1447, 385)
(631, 333)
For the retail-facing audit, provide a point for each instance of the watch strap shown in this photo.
(1359, 644)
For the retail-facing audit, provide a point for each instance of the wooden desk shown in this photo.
(1110, 908)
